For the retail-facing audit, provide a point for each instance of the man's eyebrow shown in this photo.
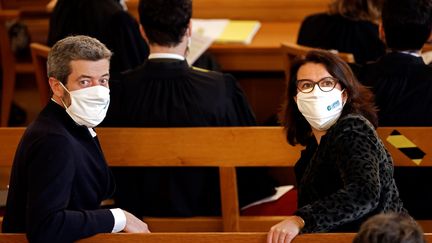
(90, 77)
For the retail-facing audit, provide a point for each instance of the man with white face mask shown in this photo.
(59, 175)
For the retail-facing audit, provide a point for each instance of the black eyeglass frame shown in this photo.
(336, 81)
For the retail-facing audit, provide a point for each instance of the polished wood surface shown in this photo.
(263, 54)
(30, 6)
(10, 66)
(200, 238)
(269, 10)
(39, 55)
(204, 146)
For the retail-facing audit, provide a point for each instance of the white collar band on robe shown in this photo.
(166, 56)
(412, 53)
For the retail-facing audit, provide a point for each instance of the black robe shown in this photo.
(106, 21)
(169, 93)
(339, 33)
(402, 85)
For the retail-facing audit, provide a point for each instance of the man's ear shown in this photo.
(189, 29)
(56, 87)
(143, 34)
(381, 32)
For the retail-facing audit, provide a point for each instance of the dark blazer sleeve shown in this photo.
(51, 174)
(239, 112)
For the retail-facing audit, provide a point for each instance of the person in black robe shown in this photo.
(105, 20)
(402, 84)
(348, 26)
(166, 92)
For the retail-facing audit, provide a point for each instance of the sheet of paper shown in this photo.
(280, 191)
(199, 44)
(204, 33)
(212, 28)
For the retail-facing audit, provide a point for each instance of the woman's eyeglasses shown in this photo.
(326, 84)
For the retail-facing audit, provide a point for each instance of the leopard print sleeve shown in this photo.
(365, 172)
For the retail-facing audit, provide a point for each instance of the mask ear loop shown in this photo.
(61, 99)
(188, 45)
(343, 103)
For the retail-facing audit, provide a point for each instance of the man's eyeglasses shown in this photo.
(326, 84)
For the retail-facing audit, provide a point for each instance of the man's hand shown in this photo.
(134, 225)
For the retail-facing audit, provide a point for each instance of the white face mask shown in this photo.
(321, 109)
(89, 105)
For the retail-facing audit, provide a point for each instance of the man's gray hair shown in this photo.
(73, 48)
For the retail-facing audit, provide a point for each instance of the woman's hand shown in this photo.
(285, 231)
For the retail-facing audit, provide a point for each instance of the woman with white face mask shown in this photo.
(345, 174)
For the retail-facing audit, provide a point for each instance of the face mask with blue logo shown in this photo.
(321, 109)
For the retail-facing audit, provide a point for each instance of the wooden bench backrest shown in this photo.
(269, 10)
(225, 148)
(10, 67)
(222, 147)
(39, 54)
(27, 5)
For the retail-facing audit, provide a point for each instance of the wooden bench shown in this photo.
(10, 65)
(200, 238)
(225, 148)
(39, 53)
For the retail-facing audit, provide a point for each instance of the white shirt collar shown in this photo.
(412, 53)
(92, 132)
(166, 55)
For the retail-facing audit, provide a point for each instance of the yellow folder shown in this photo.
(239, 31)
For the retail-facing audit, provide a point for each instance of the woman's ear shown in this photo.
(344, 96)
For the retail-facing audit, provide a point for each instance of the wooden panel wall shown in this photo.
(263, 10)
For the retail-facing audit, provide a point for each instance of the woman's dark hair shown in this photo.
(357, 10)
(359, 100)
